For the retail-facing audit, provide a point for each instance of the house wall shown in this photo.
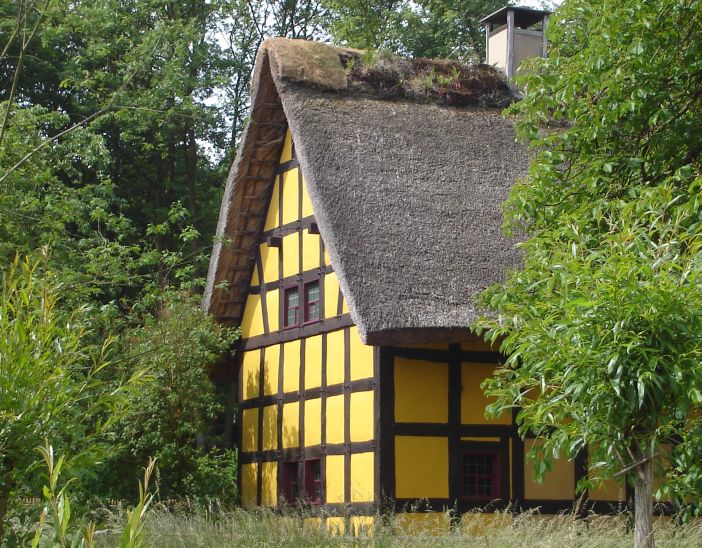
(436, 412)
(384, 422)
(305, 392)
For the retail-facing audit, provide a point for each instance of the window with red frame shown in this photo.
(312, 302)
(301, 307)
(291, 309)
(481, 475)
(291, 482)
(313, 481)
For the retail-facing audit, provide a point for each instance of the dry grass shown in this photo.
(264, 528)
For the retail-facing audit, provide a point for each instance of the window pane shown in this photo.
(313, 312)
(479, 475)
(292, 307)
(313, 291)
(312, 307)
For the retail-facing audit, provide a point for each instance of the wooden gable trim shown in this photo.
(246, 200)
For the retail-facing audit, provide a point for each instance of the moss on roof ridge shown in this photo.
(384, 75)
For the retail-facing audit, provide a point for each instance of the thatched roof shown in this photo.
(407, 164)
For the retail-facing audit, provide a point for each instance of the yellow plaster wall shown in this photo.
(270, 428)
(313, 422)
(335, 357)
(291, 420)
(475, 524)
(362, 477)
(313, 362)
(608, 490)
(248, 484)
(421, 391)
(429, 523)
(269, 262)
(252, 322)
(360, 525)
(310, 250)
(249, 430)
(291, 196)
(269, 484)
(271, 363)
(300, 253)
(362, 416)
(361, 356)
(291, 254)
(335, 525)
(331, 292)
(421, 467)
(286, 153)
(273, 307)
(272, 217)
(559, 483)
(335, 419)
(291, 366)
(251, 362)
(335, 479)
(473, 400)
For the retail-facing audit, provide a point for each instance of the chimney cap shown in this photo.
(523, 17)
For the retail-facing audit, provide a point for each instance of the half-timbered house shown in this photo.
(360, 219)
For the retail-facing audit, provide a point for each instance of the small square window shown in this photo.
(312, 302)
(481, 475)
(291, 307)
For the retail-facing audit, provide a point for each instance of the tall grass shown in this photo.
(264, 528)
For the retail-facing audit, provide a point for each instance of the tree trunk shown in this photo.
(643, 506)
(4, 505)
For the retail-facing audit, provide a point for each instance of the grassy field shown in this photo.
(242, 528)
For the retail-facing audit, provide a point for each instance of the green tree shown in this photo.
(425, 28)
(50, 381)
(603, 323)
(171, 417)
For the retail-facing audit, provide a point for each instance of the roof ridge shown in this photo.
(383, 75)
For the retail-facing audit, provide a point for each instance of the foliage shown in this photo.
(65, 530)
(133, 533)
(59, 506)
(176, 407)
(50, 381)
(213, 478)
(426, 28)
(603, 323)
(507, 530)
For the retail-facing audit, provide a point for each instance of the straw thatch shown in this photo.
(405, 179)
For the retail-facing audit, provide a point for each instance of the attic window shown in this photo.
(292, 307)
(312, 302)
(302, 304)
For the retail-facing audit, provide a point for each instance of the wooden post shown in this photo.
(544, 25)
(510, 43)
(488, 30)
